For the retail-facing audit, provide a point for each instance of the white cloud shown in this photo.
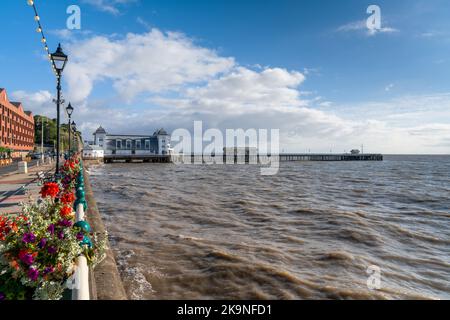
(40, 102)
(389, 87)
(353, 26)
(140, 63)
(244, 89)
(143, 23)
(109, 6)
(326, 104)
(361, 26)
(68, 35)
(171, 82)
(408, 124)
(434, 34)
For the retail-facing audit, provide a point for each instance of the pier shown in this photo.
(129, 158)
(331, 157)
(247, 158)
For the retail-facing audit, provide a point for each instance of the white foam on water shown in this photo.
(138, 287)
(190, 238)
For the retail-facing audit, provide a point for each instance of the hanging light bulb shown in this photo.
(30, 2)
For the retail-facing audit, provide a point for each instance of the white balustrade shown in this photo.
(81, 277)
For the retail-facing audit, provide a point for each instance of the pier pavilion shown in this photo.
(129, 146)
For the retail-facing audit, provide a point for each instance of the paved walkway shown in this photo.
(16, 188)
(12, 168)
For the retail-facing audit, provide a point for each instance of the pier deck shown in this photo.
(331, 157)
(287, 157)
(137, 158)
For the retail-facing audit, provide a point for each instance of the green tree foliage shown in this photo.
(49, 127)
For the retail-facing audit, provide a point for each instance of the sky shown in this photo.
(309, 68)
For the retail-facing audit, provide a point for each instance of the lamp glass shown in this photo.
(69, 109)
(59, 58)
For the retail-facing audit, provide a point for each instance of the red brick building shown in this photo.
(16, 126)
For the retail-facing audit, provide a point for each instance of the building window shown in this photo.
(147, 144)
(128, 144)
(118, 144)
(138, 144)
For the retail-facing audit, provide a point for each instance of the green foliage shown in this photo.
(39, 247)
(50, 132)
(4, 150)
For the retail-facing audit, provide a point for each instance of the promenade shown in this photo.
(16, 188)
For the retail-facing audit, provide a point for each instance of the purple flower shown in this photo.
(51, 229)
(29, 238)
(2, 296)
(65, 223)
(80, 236)
(33, 274)
(51, 250)
(26, 258)
(49, 270)
(60, 235)
(42, 243)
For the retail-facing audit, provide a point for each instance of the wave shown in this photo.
(308, 233)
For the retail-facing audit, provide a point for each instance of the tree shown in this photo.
(50, 133)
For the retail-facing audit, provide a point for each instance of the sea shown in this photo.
(316, 230)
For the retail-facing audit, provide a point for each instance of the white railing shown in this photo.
(81, 277)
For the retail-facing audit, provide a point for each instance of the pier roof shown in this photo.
(100, 130)
(161, 132)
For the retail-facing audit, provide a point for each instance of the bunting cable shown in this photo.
(41, 31)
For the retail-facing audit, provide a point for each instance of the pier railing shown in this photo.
(81, 290)
(244, 158)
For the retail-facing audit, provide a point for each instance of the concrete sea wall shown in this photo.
(106, 283)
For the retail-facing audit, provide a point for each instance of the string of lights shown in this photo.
(40, 30)
(58, 60)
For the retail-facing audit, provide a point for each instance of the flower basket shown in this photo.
(38, 249)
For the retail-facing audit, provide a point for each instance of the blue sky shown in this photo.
(390, 89)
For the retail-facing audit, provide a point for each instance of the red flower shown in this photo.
(22, 217)
(14, 227)
(69, 165)
(14, 265)
(50, 189)
(68, 198)
(66, 211)
(6, 226)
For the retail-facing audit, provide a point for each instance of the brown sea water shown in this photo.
(310, 232)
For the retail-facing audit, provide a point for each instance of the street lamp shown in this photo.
(74, 128)
(59, 62)
(69, 110)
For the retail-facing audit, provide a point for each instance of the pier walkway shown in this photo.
(244, 158)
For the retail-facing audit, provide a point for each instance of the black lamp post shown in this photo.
(69, 110)
(74, 128)
(59, 62)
